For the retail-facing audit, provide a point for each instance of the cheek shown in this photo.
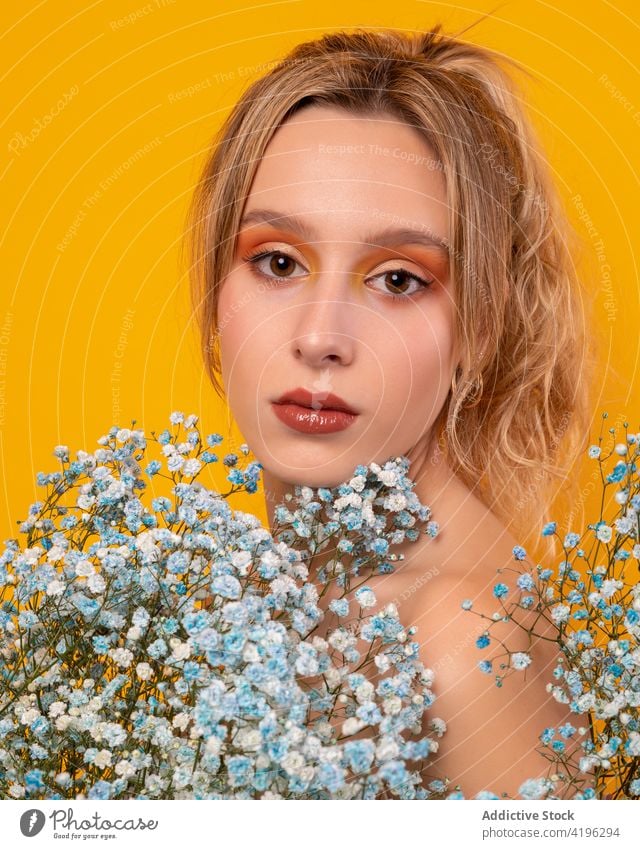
(236, 324)
(248, 341)
(421, 369)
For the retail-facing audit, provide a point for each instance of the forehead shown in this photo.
(347, 172)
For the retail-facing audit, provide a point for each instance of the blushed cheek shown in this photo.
(431, 374)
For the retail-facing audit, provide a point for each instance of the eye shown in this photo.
(278, 264)
(399, 278)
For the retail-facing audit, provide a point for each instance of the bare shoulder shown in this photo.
(492, 732)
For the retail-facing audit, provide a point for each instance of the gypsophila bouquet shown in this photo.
(161, 650)
(592, 598)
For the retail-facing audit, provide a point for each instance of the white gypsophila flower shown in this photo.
(63, 722)
(520, 660)
(382, 662)
(560, 613)
(122, 657)
(352, 499)
(115, 490)
(55, 588)
(55, 553)
(250, 653)
(352, 726)
(283, 584)
(248, 739)
(364, 692)
(134, 633)
(29, 716)
(181, 720)
(180, 650)
(358, 483)
(395, 502)
(387, 749)
(612, 708)
(213, 745)
(295, 735)
(365, 597)
(333, 677)
(96, 583)
(306, 494)
(392, 705)
(341, 639)
(144, 671)
(585, 702)
(293, 762)
(85, 502)
(192, 467)
(145, 542)
(438, 726)
(368, 515)
(389, 477)
(56, 709)
(609, 587)
(84, 568)
(125, 769)
(241, 560)
(102, 759)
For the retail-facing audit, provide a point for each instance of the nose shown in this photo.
(324, 329)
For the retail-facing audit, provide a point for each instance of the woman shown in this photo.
(380, 267)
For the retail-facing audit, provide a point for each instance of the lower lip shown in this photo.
(306, 420)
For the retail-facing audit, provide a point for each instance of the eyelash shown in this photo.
(254, 258)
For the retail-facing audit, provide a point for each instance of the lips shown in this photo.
(315, 400)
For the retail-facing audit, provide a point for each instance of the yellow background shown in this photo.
(94, 314)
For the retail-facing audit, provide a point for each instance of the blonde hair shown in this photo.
(520, 391)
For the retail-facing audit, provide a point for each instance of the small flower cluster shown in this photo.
(592, 599)
(373, 511)
(167, 651)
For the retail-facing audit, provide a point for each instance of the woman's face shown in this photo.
(330, 210)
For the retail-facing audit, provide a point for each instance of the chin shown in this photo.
(301, 473)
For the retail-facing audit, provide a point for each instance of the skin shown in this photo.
(324, 320)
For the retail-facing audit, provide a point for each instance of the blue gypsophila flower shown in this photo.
(340, 606)
(525, 582)
(500, 590)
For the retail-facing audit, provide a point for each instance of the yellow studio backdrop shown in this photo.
(108, 110)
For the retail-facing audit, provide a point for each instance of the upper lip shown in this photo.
(315, 400)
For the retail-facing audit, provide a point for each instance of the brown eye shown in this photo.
(398, 281)
(279, 264)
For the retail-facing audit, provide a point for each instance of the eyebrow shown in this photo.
(383, 238)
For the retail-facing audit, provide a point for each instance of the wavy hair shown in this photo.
(520, 393)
